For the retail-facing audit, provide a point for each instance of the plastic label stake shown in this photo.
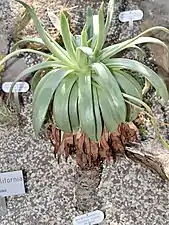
(91, 218)
(11, 183)
(131, 16)
(18, 87)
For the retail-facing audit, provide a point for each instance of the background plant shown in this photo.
(84, 90)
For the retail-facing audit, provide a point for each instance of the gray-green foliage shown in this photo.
(88, 86)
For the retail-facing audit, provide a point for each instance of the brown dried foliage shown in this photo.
(89, 153)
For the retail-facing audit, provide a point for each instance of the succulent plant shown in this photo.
(84, 86)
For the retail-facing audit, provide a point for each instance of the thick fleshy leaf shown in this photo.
(30, 70)
(89, 22)
(110, 11)
(88, 51)
(86, 106)
(92, 41)
(61, 103)
(73, 108)
(55, 48)
(43, 95)
(28, 39)
(20, 51)
(148, 73)
(78, 40)
(107, 110)
(64, 52)
(67, 36)
(139, 51)
(81, 58)
(97, 114)
(84, 36)
(132, 112)
(115, 49)
(39, 66)
(128, 84)
(95, 26)
(101, 35)
(54, 19)
(35, 80)
(138, 102)
(147, 86)
(109, 83)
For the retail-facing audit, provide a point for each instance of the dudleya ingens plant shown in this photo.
(89, 88)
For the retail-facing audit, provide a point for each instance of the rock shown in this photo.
(13, 68)
(4, 44)
(155, 156)
(156, 14)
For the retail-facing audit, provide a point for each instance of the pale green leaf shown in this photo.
(107, 110)
(93, 41)
(84, 37)
(89, 22)
(28, 39)
(95, 26)
(132, 112)
(128, 84)
(54, 19)
(109, 83)
(145, 71)
(97, 114)
(110, 11)
(61, 103)
(81, 58)
(138, 102)
(115, 49)
(55, 48)
(86, 106)
(83, 54)
(67, 36)
(39, 66)
(140, 53)
(43, 95)
(73, 108)
(100, 37)
(20, 51)
(78, 40)
(35, 80)
(30, 70)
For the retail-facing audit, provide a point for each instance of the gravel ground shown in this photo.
(128, 193)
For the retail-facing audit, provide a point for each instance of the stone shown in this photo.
(156, 14)
(13, 68)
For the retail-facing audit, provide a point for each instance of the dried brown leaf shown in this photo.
(88, 150)
(105, 146)
(79, 141)
(94, 150)
(116, 143)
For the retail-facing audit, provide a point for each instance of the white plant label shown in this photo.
(18, 87)
(12, 183)
(91, 218)
(130, 16)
